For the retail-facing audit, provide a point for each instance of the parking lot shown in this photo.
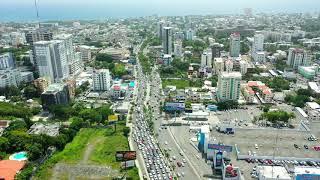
(243, 118)
(271, 142)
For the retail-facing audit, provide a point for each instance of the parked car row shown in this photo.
(281, 162)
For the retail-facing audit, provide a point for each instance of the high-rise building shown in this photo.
(206, 58)
(67, 38)
(167, 40)
(35, 36)
(161, 24)
(216, 50)
(6, 61)
(258, 41)
(101, 80)
(229, 65)
(218, 65)
(298, 57)
(243, 67)
(178, 48)
(229, 86)
(51, 60)
(74, 60)
(189, 34)
(41, 84)
(76, 66)
(85, 53)
(55, 94)
(235, 44)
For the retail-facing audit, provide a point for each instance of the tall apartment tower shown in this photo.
(258, 41)
(229, 86)
(178, 48)
(216, 50)
(167, 40)
(74, 60)
(298, 57)
(235, 44)
(35, 36)
(206, 58)
(161, 24)
(51, 58)
(101, 80)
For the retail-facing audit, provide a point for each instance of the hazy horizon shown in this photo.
(24, 10)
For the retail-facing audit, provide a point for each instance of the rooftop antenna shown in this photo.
(37, 11)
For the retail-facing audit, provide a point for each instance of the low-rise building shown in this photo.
(308, 72)
(55, 94)
(314, 87)
(313, 111)
(41, 84)
(259, 88)
(10, 77)
(27, 77)
(48, 129)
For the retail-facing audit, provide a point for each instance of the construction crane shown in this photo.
(37, 11)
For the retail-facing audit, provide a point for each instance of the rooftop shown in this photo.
(55, 87)
(231, 75)
(9, 168)
(273, 172)
(313, 105)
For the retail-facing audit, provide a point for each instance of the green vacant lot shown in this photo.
(92, 147)
(179, 83)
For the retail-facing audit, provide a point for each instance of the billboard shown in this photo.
(219, 157)
(126, 155)
(220, 147)
(170, 106)
(113, 118)
(127, 164)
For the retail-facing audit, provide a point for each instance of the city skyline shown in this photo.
(18, 10)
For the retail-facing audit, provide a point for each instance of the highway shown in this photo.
(165, 139)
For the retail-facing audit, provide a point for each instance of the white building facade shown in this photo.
(101, 80)
(298, 57)
(229, 86)
(235, 45)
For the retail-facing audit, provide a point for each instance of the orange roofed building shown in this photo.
(264, 91)
(9, 169)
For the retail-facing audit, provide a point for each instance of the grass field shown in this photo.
(179, 83)
(103, 142)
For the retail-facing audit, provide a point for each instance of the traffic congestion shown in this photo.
(153, 159)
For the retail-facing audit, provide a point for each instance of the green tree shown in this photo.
(126, 131)
(31, 92)
(35, 150)
(4, 144)
(104, 57)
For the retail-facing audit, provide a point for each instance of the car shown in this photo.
(256, 146)
(296, 146)
(179, 164)
(306, 146)
(184, 160)
(181, 153)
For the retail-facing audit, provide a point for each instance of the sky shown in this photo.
(23, 10)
